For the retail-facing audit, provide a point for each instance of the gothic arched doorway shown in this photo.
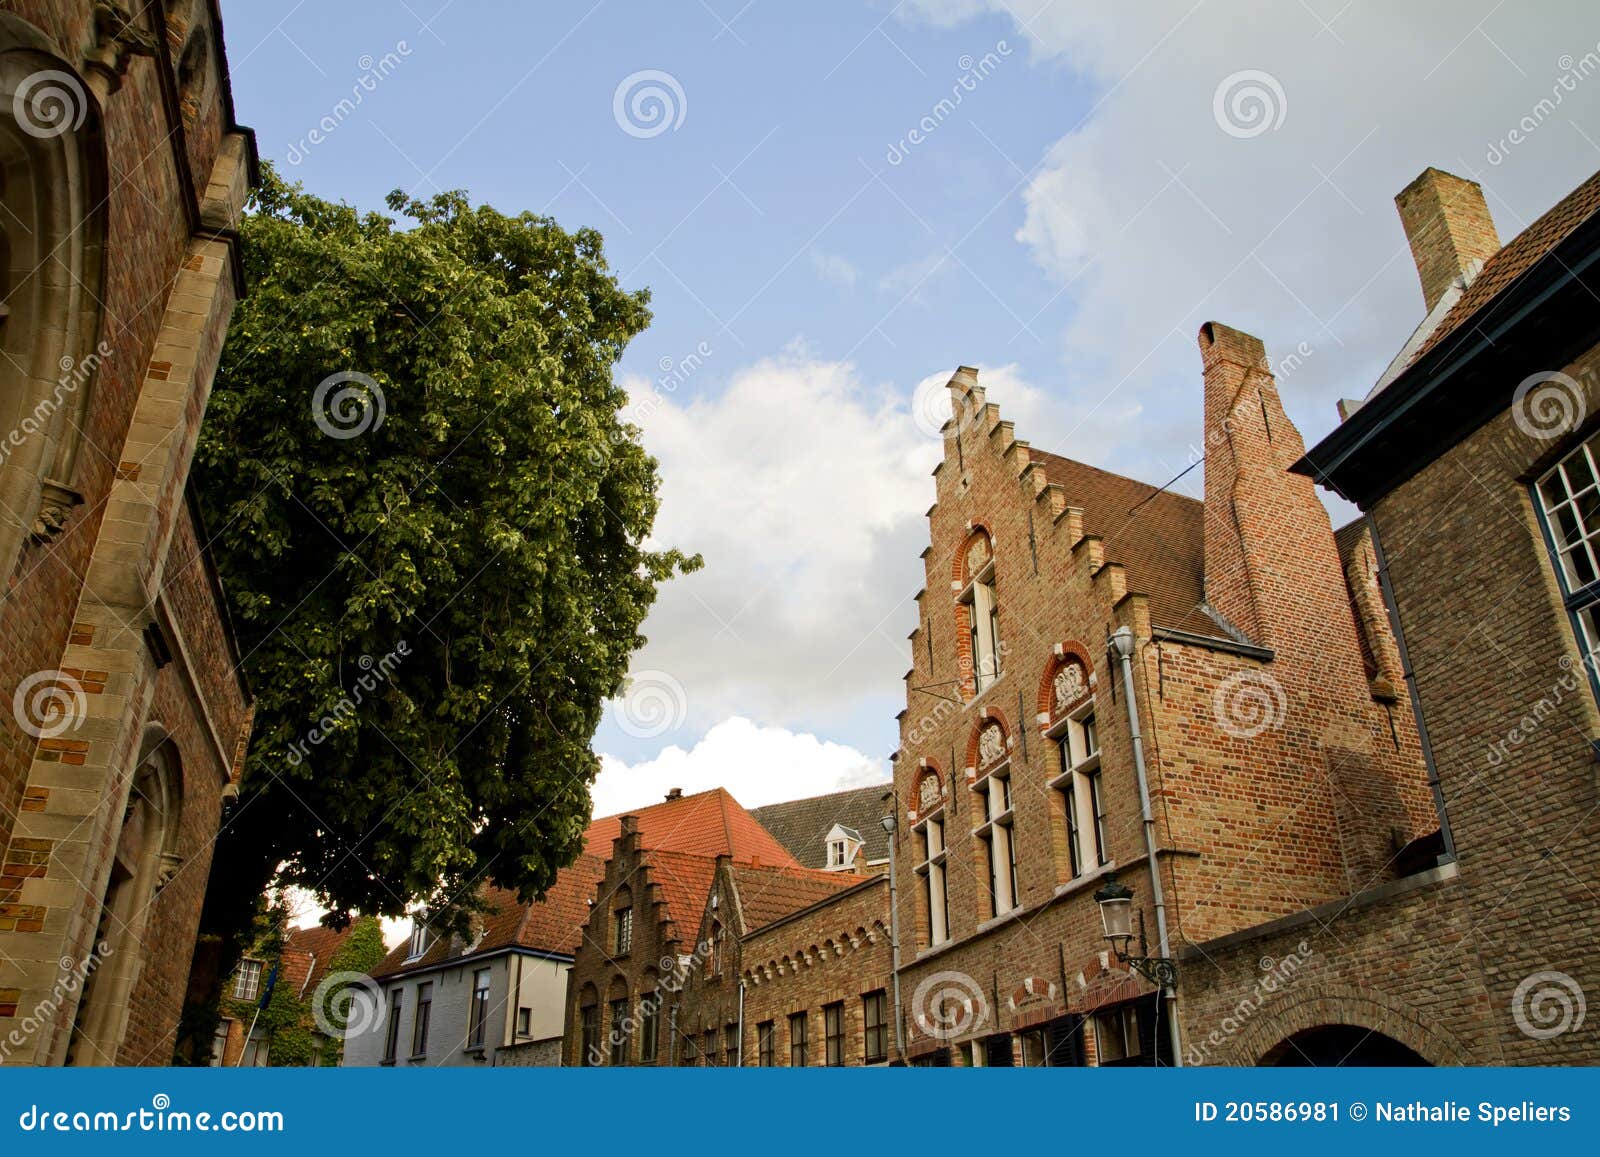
(1335, 1045)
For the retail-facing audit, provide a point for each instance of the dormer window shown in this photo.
(836, 853)
(843, 845)
(420, 940)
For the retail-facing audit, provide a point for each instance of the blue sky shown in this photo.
(1095, 194)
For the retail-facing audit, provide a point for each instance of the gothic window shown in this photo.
(144, 858)
(982, 612)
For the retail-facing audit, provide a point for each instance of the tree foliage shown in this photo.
(436, 563)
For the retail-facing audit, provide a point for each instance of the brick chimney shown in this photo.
(674, 793)
(1270, 557)
(1447, 222)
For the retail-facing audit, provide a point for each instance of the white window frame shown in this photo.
(254, 970)
(935, 875)
(1079, 786)
(983, 627)
(997, 832)
(419, 940)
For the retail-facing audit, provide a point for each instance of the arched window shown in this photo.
(622, 922)
(989, 772)
(144, 858)
(932, 869)
(588, 1026)
(52, 237)
(978, 612)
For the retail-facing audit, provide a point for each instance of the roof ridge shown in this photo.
(887, 784)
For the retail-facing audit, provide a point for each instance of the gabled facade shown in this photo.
(1108, 678)
(124, 176)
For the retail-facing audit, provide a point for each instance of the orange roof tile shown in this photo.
(709, 823)
(768, 894)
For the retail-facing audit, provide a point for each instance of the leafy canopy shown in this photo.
(437, 571)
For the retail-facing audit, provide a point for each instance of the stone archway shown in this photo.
(1321, 1008)
(1339, 1045)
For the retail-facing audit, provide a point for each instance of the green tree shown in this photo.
(435, 561)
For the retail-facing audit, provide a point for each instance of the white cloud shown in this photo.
(758, 765)
(1153, 219)
(910, 281)
(833, 268)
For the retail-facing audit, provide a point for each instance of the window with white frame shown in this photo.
(983, 616)
(933, 873)
(247, 981)
(1569, 501)
(997, 836)
(1077, 787)
(419, 939)
(478, 1011)
(836, 853)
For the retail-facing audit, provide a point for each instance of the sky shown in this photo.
(835, 204)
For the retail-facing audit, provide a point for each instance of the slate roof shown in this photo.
(802, 825)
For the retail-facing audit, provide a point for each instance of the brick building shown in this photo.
(124, 176)
(1197, 697)
(1474, 458)
(639, 945)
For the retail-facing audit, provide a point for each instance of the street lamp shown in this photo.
(1116, 914)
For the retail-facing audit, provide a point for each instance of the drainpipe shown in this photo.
(890, 823)
(739, 1051)
(1122, 645)
(1411, 690)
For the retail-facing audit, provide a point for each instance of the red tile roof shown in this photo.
(307, 952)
(768, 894)
(1516, 257)
(710, 823)
(685, 881)
(1157, 535)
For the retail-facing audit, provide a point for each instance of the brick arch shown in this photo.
(926, 769)
(1061, 654)
(987, 716)
(959, 574)
(1314, 1005)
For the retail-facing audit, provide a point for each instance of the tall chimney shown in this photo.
(1447, 222)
